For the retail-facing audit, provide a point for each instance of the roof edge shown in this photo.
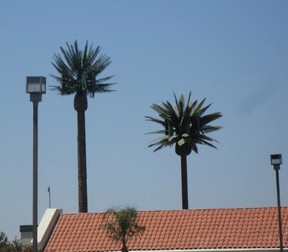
(213, 250)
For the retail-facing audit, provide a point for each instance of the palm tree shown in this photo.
(121, 225)
(186, 126)
(78, 71)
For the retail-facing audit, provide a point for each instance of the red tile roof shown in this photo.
(239, 228)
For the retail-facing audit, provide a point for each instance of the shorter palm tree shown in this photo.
(186, 126)
(121, 225)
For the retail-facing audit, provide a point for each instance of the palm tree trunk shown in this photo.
(81, 105)
(82, 170)
(124, 244)
(184, 182)
(124, 249)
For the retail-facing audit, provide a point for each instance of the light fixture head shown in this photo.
(35, 85)
(276, 159)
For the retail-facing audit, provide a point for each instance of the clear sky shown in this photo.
(234, 53)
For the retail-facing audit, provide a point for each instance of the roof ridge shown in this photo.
(185, 210)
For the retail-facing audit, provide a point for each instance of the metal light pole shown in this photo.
(276, 161)
(35, 86)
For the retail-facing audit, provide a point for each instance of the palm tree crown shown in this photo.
(184, 124)
(78, 70)
(122, 225)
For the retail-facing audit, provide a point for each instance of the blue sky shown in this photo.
(234, 53)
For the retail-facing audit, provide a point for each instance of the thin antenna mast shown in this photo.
(49, 192)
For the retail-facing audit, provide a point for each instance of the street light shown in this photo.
(35, 86)
(276, 161)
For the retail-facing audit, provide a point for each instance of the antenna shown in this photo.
(49, 193)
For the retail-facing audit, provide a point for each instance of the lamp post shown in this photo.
(276, 161)
(35, 86)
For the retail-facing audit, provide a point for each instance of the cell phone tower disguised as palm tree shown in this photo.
(78, 74)
(186, 126)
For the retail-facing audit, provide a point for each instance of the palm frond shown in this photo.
(209, 128)
(148, 118)
(157, 132)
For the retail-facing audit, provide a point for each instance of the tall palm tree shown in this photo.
(78, 71)
(186, 126)
(122, 225)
